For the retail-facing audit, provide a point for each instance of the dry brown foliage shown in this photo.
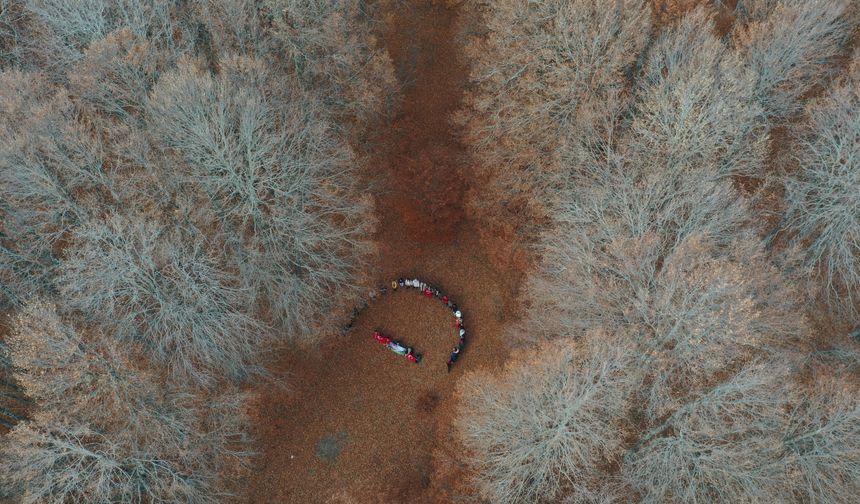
(185, 167)
(823, 198)
(105, 428)
(548, 424)
(549, 79)
(650, 253)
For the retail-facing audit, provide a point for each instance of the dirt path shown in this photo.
(362, 424)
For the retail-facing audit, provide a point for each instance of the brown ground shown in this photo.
(360, 423)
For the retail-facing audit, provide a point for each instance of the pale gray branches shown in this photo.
(62, 30)
(546, 424)
(824, 197)
(278, 179)
(549, 84)
(651, 253)
(52, 179)
(157, 285)
(106, 431)
(696, 109)
(790, 46)
(331, 47)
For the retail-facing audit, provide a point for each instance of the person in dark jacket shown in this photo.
(455, 354)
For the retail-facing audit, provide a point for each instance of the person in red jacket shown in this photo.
(413, 357)
(378, 336)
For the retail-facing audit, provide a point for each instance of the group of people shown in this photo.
(397, 347)
(430, 292)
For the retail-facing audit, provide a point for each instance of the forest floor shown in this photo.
(359, 423)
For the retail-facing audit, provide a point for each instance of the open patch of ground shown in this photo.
(359, 423)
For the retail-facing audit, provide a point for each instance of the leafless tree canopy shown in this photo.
(276, 177)
(823, 200)
(546, 424)
(177, 189)
(651, 252)
(106, 430)
(167, 108)
(178, 193)
(156, 285)
(696, 109)
(790, 44)
(52, 179)
(549, 78)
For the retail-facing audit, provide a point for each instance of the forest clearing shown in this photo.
(641, 218)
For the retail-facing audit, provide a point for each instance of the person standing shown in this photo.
(455, 354)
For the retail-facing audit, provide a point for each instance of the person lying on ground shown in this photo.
(413, 357)
(378, 336)
(396, 347)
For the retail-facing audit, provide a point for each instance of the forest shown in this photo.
(648, 212)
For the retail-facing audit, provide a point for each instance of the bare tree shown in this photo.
(237, 26)
(11, 18)
(820, 459)
(698, 306)
(696, 108)
(546, 423)
(52, 178)
(823, 201)
(104, 429)
(715, 448)
(13, 401)
(158, 285)
(650, 244)
(331, 48)
(278, 178)
(549, 82)
(62, 30)
(650, 251)
(754, 438)
(115, 75)
(281, 196)
(536, 67)
(789, 44)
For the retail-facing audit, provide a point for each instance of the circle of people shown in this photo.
(428, 291)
